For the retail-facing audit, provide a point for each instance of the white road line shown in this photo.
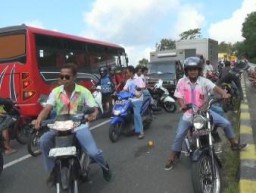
(28, 155)
(16, 161)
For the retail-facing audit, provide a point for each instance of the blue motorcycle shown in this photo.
(122, 121)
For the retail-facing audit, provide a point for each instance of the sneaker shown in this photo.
(239, 147)
(169, 165)
(107, 174)
(51, 179)
(141, 136)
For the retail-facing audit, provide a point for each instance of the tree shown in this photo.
(224, 47)
(165, 44)
(191, 34)
(248, 32)
(143, 62)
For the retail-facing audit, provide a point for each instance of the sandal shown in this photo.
(239, 147)
(10, 151)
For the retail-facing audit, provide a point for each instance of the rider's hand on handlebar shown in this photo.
(36, 123)
(226, 96)
(93, 116)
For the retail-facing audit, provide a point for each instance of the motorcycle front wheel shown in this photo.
(169, 107)
(115, 131)
(202, 177)
(33, 143)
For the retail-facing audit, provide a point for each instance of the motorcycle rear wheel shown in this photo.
(169, 107)
(115, 131)
(22, 133)
(202, 177)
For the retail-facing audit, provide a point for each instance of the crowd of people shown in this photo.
(64, 98)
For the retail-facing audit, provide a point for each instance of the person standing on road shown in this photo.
(66, 99)
(135, 86)
(194, 89)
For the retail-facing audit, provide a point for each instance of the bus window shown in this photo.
(13, 48)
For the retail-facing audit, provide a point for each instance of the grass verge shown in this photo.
(231, 160)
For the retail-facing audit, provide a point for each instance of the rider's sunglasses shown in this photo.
(62, 77)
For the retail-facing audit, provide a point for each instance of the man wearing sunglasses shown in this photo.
(70, 98)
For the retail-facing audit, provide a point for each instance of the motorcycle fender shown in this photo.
(116, 120)
(197, 153)
(169, 99)
(75, 165)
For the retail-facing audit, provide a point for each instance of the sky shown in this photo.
(136, 25)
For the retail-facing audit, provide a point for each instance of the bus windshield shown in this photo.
(13, 48)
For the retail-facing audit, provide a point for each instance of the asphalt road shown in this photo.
(136, 167)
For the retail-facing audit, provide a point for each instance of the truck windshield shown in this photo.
(161, 68)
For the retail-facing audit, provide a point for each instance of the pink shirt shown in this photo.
(197, 96)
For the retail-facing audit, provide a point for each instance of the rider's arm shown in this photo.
(181, 104)
(221, 92)
(46, 110)
(43, 115)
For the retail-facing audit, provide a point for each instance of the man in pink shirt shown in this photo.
(193, 89)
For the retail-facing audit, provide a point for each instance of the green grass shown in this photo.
(231, 161)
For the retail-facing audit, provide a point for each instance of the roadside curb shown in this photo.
(247, 182)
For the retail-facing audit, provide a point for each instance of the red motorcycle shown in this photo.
(213, 76)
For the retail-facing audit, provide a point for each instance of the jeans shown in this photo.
(147, 95)
(137, 104)
(184, 125)
(85, 138)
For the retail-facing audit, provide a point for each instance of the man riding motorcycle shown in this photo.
(229, 75)
(194, 89)
(70, 98)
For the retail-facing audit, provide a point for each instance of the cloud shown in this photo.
(188, 18)
(134, 22)
(35, 23)
(139, 25)
(229, 30)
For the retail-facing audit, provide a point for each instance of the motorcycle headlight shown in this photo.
(117, 112)
(199, 122)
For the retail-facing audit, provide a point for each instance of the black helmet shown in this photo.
(112, 68)
(103, 70)
(192, 63)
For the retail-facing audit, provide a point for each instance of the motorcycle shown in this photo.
(212, 75)
(71, 163)
(122, 121)
(162, 97)
(233, 102)
(18, 125)
(206, 166)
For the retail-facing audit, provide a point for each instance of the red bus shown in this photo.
(30, 60)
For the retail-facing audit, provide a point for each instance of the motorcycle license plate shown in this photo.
(119, 102)
(62, 151)
(202, 132)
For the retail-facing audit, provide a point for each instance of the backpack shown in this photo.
(107, 86)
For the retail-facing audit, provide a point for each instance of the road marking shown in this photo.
(17, 161)
(9, 164)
